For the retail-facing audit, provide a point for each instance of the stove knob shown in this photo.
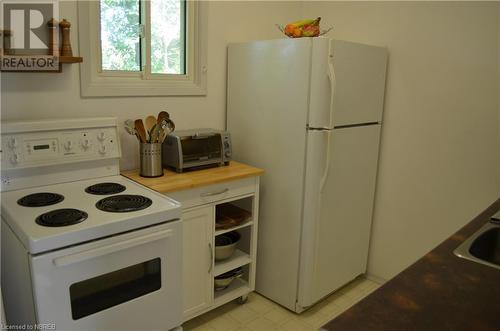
(14, 159)
(101, 136)
(86, 144)
(12, 143)
(68, 145)
(102, 150)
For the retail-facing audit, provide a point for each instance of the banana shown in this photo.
(300, 23)
(316, 22)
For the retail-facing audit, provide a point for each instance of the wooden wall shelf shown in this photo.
(62, 60)
(39, 63)
(70, 59)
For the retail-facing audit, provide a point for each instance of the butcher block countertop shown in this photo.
(438, 292)
(172, 181)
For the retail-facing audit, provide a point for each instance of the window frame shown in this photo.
(95, 82)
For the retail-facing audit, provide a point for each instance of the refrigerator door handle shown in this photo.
(333, 83)
(326, 171)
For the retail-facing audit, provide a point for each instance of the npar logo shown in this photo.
(26, 36)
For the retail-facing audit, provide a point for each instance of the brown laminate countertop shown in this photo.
(172, 181)
(438, 292)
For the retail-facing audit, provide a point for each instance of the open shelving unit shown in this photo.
(245, 254)
(238, 288)
(204, 194)
(238, 259)
(245, 224)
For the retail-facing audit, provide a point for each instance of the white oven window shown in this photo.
(105, 291)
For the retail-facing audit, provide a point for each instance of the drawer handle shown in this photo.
(209, 194)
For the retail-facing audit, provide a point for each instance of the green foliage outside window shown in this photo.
(120, 38)
(120, 35)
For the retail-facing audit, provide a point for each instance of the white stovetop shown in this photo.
(37, 238)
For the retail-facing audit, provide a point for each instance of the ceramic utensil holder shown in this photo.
(150, 155)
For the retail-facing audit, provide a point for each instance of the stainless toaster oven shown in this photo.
(187, 149)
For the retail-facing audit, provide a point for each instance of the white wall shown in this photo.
(439, 158)
(49, 95)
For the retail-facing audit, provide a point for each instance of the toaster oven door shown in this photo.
(201, 149)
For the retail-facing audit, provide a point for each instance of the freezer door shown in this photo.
(341, 173)
(359, 82)
(322, 85)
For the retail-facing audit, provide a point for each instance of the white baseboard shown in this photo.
(375, 279)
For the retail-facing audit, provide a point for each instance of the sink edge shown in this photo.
(462, 251)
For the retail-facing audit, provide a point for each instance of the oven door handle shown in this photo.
(112, 248)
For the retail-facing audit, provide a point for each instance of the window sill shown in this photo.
(126, 87)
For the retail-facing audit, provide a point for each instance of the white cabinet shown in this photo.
(200, 206)
(197, 259)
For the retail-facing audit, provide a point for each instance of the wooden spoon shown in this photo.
(139, 128)
(150, 122)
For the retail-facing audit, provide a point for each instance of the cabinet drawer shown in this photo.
(211, 193)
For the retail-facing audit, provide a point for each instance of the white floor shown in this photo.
(261, 314)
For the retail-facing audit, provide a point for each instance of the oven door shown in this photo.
(130, 281)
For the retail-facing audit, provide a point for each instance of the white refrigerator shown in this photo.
(309, 112)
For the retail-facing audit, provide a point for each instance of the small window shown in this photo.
(168, 47)
(120, 35)
(144, 47)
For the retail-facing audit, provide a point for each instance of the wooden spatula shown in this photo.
(139, 127)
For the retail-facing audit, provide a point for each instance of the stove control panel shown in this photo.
(26, 149)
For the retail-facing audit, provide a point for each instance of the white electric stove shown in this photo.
(84, 248)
